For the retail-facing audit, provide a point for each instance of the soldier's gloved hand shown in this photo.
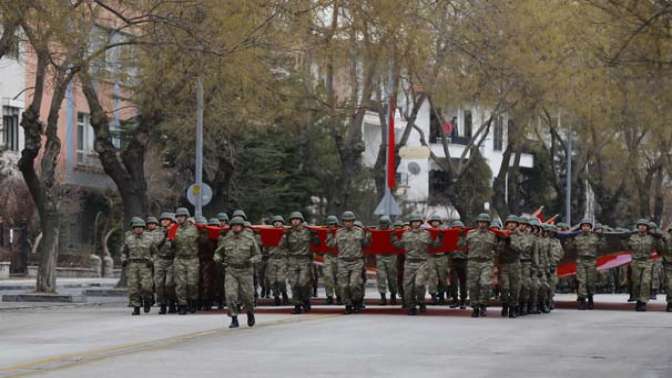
(149, 264)
(124, 263)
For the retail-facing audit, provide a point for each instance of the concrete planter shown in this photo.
(4, 270)
(67, 272)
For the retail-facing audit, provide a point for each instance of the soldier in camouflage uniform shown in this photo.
(220, 295)
(349, 242)
(439, 268)
(479, 245)
(525, 247)
(207, 268)
(185, 246)
(508, 254)
(386, 269)
(667, 266)
(458, 272)
(586, 244)
(238, 251)
(556, 254)
(330, 268)
(642, 244)
(164, 284)
(136, 256)
(297, 241)
(416, 242)
(277, 267)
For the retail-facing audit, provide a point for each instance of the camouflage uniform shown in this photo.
(386, 269)
(238, 252)
(349, 243)
(458, 275)
(508, 252)
(556, 255)
(329, 275)
(186, 264)
(667, 265)
(480, 248)
(207, 268)
(276, 270)
(137, 254)
(642, 266)
(586, 245)
(296, 242)
(416, 242)
(539, 268)
(164, 283)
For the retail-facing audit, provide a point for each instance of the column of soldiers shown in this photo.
(189, 272)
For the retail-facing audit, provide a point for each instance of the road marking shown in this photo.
(67, 360)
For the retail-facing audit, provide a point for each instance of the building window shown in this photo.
(468, 124)
(85, 138)
(10, 128)
(498, 143)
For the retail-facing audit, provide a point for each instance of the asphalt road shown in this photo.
(104, 341)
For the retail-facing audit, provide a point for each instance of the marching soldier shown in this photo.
(386, 269)
(642, 244)
(349, 242)
(220, 296)
(416, 242)
(458, 273)
(480, 248)
(163, 265)
(238, 251)
(508, 253)
(277, 267)
(185, 246)
(439, 268)
(207, 268)
(297, 241)
(556, 254)
(330, 267)
(136, 257)
(667, 265)
(587, 243)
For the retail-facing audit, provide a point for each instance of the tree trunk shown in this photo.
(46, 274)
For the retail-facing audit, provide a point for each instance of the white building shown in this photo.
(415, 170)
(12, 86)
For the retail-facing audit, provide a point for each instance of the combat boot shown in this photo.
(358, 307)
(234, 322)
(442, 300)
(172, 308)
(484, 311)
(654, 295)
(297, 310)
(412, 311)
(206, 305)
(423, 308)
(339, 300)
(183, 310)
(581, 303)
(513, 312)
(454, 304)
(136, 310)
(276, 301)
(263, 292)
(544, 308)
(463, 305)
(393, 299)
(435, 299)
(193, 307)
(669, 307)
(162, 310)
(285, 299)
(250, 319)
(306, 306)
(147, 306)
(631, 298)
(476, 312)
(590, 302)
(330, 300)
(383, 299)
(505, 310)
(348, 309)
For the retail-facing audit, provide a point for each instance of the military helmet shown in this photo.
(398, 223)
(523, 220)
(348, 216)
(166, 215)
(483, 217)
(496, 223)
(247, 224)
(415, 217)
(182, 212)
(535, 222)
(222, 217)
(296, 215)
(237, 221)
(201, 220)
(213, 222)
(435, 218)
(512, 219)
(642, 221)
(384, 220)
(586, 221)
(332, 220)
(552, 228)
(151, 220)
(457, 223)
(562, 225)
(653, 225)
(277, 218)
(239, 213)
(137, 222)
(359, 224)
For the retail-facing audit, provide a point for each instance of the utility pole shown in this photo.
(568, 179)
(199, 148)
